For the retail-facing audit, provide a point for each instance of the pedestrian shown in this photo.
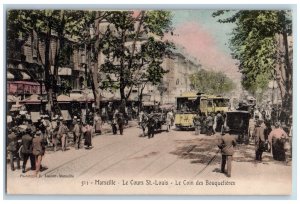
(277, 139)
(197, 123)
(77, 134)
(227, 143)
(12, 148)
(54, 132)
(87, 131)
(210, 123)
(151, 126)
(257, 114)
(273, 116)
(62, 134)
(27, 150)
(98, 124)
(203, 125)
(143, 120)
(38, 150)
(114, 122)
(169, 120)
(119, 118)
(219, 121)
(47, 125)
(259, 138)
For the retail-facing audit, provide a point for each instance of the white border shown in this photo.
(171, 4)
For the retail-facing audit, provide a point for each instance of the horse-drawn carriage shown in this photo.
(238, 123)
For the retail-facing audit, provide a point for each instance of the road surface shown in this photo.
(175, 162)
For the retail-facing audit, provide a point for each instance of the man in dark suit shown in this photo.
(151, 126)
(226, 144)
(27, 150)
(259, 138)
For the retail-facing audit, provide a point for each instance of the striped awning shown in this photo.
(25, 76)
(10, 75)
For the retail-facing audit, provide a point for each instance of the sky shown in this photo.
(205, 39)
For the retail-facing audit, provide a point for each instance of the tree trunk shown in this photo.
(48, 79)
(95, 68)
(140, 95)
(283, 71)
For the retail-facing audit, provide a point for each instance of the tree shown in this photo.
(134, 49)
(260, 43)
(210, 82)
(41, 25)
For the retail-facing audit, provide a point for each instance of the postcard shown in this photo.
(149, 102)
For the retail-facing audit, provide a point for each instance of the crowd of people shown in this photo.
(273, 135)
(153, 120)
(29, 140)
(209, 124)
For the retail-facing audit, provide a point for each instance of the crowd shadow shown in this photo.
(205, 150)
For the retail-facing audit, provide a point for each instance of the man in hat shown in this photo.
(27, 150)
(12, 149)
(197, 123)
(227, 143)
(119, 118)
(77, 134)
(210, 124)
(53, 131)
(259, 138)
(38, 150)
(62, 133)
(277, 139)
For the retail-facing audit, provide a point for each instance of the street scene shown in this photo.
(149, 102)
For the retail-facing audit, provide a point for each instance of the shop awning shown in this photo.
(10, 75)
(25, 75)
(16, 107)
(63, 98)
(11, 98)
(32, 99)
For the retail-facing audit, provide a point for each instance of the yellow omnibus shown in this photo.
(214, 104)
(188, 104)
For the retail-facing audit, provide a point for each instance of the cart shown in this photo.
(238, 123)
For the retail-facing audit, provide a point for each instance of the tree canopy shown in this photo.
(134, 49)
(255, 44)
(211, 82)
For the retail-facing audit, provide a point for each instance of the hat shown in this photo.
(28, 130)
(61, 118)
(38, 132)
(78, 120)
